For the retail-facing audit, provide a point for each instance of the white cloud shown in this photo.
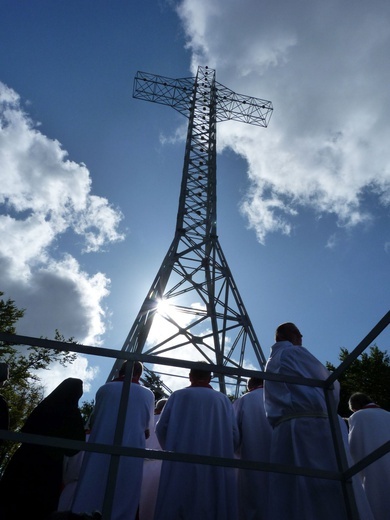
(178, 136)
(58, 373)
(44, 198)
(325, 68)
(332, 241)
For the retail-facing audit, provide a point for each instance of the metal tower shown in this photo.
(203, 308)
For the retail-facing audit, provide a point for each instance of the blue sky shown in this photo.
(91, 176)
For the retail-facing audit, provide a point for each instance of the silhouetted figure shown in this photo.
(31, 484)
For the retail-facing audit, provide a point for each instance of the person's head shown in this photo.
(201, 375)
(254, 382)
(137, 369)
(66, 395)
(160, 405)
(289, 332)
(71, 389)
(358, 400)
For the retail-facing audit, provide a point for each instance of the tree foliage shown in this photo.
(154, 383)
(369, 373)
(24, 389)
(86, 409)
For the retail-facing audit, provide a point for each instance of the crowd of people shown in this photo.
(284, 428)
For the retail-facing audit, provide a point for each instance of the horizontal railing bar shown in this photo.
(156, 360)
(127, 451)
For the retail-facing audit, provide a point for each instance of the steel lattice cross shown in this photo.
(206, 316)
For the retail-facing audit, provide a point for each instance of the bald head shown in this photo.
(289, 332)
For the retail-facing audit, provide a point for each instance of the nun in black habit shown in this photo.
(32, 481)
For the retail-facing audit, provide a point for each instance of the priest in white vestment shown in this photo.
(197, 420)
(151, 471)
(302, 436)
(369, 428)
(255, 443)
(92, 483)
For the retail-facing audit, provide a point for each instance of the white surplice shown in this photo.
(92, 483)
(200, 421)
(150, 478)
(368, 430)
(301, 437)
(255, 443)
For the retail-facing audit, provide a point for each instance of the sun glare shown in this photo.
(163, 307)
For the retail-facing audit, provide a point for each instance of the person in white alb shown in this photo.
(302, 436)
(255, 443)
(369, 428)
(92, 483)
(152, 470)
(197, 420)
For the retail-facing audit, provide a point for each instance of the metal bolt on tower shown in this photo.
(206, 316)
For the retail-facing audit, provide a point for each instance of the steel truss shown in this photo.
(206, 316)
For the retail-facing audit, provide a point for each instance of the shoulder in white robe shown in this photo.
(368, 430)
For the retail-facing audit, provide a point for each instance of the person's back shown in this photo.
(369, 428)
(31, 484)
(91, 487)
(197, 420)
(106, 414)
(301, 434)
(255, 443)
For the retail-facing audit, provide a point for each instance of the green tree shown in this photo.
(369, 373)
(86, 410)
(24, 389)
(154, 383)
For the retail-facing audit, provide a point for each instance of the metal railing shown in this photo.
(344, 475)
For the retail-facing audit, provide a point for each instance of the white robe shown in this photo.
(301, 441)
(200, 421)
(91, 486)
(71, 473)
(368, 430)
(255, 443)
(150, 478)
